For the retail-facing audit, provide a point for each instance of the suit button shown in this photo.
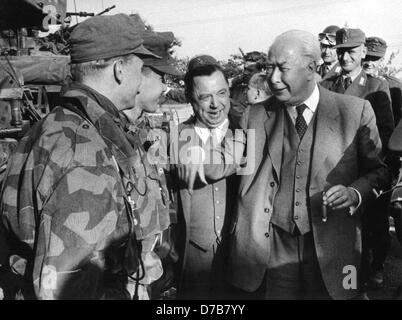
(299, 163)
(272, 184)
(297, 204)
(300, 150)
(85, 126)
(298, 190)
(266, 234)
(297, 177)
(266, 210)
(296, 217)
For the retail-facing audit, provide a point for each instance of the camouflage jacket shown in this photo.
(65, 200)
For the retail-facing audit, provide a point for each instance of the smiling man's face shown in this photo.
(211, 100)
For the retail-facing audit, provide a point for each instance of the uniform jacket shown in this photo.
(65, 202)
(335, 70)
(374, 90)
(346, 151)
(395, 87)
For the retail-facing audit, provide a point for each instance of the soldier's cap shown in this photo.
(103, 37)
(376, 47)
(254, 56)
(159, 43)
(328, 35)
(395, 142)
(349, 38)
(202, 60)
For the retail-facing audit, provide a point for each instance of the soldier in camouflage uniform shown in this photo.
(67, 206)
(152, 141)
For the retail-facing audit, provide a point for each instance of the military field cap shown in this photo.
(349, 38)
(376, 46)
(254, 56)
(103, 37)
(200, 61)
(159, 43)
(395, 142)
(328, 35)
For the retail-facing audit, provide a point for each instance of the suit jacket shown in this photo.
(226, 187)
(374, 90)
(346, 151)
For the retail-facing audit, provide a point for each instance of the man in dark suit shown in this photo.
(351, 52)
(205, 207)
(317, 161)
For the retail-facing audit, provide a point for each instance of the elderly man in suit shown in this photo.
(317, 160)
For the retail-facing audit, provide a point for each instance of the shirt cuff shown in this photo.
(353, 209)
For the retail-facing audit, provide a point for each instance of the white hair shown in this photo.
(307, 43)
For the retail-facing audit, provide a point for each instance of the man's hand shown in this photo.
(340, 197)
(188, 173)
(192, 164)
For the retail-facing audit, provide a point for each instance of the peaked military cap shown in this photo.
(349, 38)
(159, 43)
(103, 37)
(376, 47)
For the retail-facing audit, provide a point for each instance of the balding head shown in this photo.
(305, 42)
(292, 61)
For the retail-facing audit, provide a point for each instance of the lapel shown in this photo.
(357, 87)
(274, 134)
(327, 117)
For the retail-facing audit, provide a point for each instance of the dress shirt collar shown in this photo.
(204, 132)
(312, 101)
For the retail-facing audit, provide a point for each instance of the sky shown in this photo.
(220, 27)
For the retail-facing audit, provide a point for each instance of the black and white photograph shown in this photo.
(200, 154)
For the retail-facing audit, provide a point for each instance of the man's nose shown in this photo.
(345, 55)
(275, 76)
(214, 102)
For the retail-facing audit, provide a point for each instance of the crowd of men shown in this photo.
(276, 188)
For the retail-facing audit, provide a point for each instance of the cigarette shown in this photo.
(324, 213)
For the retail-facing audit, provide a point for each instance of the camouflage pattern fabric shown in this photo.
(64, 200)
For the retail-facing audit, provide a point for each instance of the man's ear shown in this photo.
(364, 51)
(118, 71)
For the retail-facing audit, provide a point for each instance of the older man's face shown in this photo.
(351, 58)
(288, 74)
(131, 81)
(211, 101)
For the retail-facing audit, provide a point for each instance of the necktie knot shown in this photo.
(348, 82)
(300, 109)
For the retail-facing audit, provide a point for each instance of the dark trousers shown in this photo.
(204, 273)
(376, 239)
(293, 272)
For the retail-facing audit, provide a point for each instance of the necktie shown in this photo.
(301, 124)
(348, 82)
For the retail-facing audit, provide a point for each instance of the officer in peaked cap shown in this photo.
(376, 49)
(330, 64)
(155, 203)
(351, 49)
